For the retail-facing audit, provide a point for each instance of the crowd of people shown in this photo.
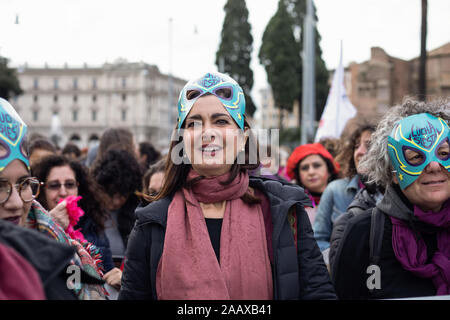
(362, 216)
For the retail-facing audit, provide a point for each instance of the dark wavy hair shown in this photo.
(93, 201)
(153, 155)
(345, 156)
(114, 138)
(118, 172)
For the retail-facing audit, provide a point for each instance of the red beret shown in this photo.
(305, 150)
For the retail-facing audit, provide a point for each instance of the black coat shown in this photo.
(350, 274)
(295, 276)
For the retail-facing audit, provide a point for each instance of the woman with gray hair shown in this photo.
(410, 155)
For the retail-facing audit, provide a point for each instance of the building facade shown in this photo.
(87, 100)
(385, 81)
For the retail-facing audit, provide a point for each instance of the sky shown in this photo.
(182, 37)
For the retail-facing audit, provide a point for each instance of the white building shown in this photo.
(268, 115)
(88, 100)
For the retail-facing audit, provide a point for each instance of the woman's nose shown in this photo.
(433, 166)
(15, 201)
(208, 134)
(62, 191)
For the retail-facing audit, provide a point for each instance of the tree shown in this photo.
(9, 84)
(234, 54)
(423, 53)
(280, 56)
(297, 10)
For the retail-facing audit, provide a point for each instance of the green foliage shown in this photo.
(278, 45)
(290, 137)
(9, 84)
(236, 47)
(280, 56)
(297, 10)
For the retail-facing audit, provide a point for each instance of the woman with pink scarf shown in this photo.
(212, 232)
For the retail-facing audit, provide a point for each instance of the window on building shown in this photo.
(75, 115)
(94, 83)
(75, 83)
(55, 84)
(124, 82)
(35, 115)
(55, 98)
(124, 97)
(94, 98)
(35, 98)
(124, 115)
(75, 98)
(94, 115)
(36, 83)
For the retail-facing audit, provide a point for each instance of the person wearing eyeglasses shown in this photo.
(63, 177)
(18, 191)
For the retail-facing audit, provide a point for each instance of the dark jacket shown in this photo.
(350, 274)
(126, 217)
(50, 258)
(363, 200)
(295, 276)
(91, 233)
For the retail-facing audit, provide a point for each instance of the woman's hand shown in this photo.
(59, 214)
(113, 278)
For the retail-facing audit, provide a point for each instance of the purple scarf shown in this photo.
(412, 253)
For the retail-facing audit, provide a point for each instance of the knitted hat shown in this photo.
(305, 150)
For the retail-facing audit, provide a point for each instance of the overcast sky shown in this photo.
(98, 31)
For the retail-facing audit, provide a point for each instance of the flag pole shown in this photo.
(308, 83)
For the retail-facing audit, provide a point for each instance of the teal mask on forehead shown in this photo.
(424, 134)
(222, 86)
(12, 136)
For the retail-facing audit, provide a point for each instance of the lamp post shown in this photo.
(170, 84)
(309, 84)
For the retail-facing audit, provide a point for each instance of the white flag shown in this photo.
(338, 109)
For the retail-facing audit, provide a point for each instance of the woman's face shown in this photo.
(60, 183)
(212, 139)
(15, 209)
(116, 201)
(156, 182)
(313, 173)
(361, 147)
(432, 188)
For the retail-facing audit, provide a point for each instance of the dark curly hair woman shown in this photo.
(63, 177)
(119, 175)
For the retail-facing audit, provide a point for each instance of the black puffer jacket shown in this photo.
(295, 276)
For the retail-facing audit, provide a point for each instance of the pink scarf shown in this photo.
(188, 268)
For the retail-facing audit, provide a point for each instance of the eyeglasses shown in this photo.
(56, 185)
(28, 189)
